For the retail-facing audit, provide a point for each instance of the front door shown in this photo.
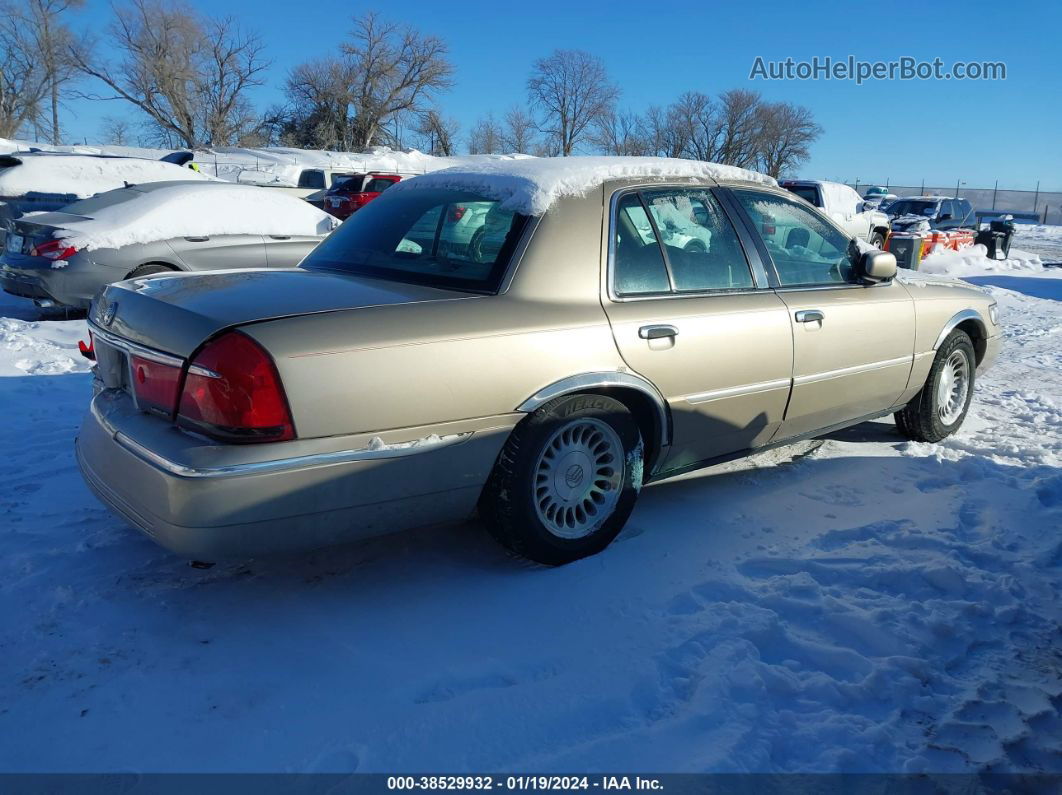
(852, 342)
(688, 314)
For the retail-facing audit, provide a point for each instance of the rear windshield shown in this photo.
(99, 201)
(808, 193)
(913, 207)
(438, 237)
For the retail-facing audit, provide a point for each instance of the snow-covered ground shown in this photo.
(869, 604)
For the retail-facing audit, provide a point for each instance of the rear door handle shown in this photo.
(657, 332)
(197, 239)
(810, 315)
(280, 237)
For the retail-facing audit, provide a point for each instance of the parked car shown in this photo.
(42, 181)
(878, 198)
(352, 193)
(389, 382)
(844, 206)
(942, 212)
(63, 258)
(311, 185)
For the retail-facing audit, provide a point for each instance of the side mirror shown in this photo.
(878, 266)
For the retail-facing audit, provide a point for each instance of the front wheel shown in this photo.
(877, 240)
(939, 409)
(566, 481)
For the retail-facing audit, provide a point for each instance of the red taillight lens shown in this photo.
(457, 212)
(232, 392)
(88, 351)
(359, 200)
(155, 384)
(53, 249)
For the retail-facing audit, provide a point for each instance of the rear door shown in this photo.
(694, 315)
(211, 252)
(852, 343)
(287, 251)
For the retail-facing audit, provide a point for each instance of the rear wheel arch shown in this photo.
(641, 398)
(147, 268)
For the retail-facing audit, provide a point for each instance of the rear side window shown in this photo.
(806, 249)
(312, 178)
(441, 238)
(377, 185)
(808, 193)
(676, 240)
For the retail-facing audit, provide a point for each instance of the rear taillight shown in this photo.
(232, 392)
(53, 249)
(457, 212)
(359, 200)
(155, 384)
(768, 225)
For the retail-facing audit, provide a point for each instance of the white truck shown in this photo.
(844, 206)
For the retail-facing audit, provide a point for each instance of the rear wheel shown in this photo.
(939, 409)
(566, 480)
(150, 268)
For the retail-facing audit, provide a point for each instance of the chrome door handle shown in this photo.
(810, 315)
(657, 332)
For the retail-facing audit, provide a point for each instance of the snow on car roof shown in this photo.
(192, 209)
(84, 175)
(530, 186)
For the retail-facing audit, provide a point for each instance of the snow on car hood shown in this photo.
(187, 209)
(84, 176)
(531, 186)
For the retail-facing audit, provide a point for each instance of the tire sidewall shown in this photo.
(541, 543)
(957, 341)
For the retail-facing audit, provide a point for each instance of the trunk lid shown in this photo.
(175, 313)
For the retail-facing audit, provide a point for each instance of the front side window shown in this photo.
(806, 249)
(676, 240)
(438, 237)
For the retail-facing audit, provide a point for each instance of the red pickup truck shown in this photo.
(354, 192)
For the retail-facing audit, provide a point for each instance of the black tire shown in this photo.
(510, 505)
(150, 268)
(921, 419)
(877, 240)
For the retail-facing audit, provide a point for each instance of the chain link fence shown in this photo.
(1046, 204)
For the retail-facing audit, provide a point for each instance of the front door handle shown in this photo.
(657, 332)
(810, 315)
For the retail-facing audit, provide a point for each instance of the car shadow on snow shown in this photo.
(1028, 285)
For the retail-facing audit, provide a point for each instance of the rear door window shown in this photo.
(378, 184)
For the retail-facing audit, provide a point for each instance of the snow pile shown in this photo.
(1043, 240)
(530, 186)
(973, 261)
(190, 209)
(85, 176)
(40, 347)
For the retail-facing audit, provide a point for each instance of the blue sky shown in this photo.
(904, 131)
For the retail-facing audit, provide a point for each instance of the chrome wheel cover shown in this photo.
(953, 388)
(578, 478)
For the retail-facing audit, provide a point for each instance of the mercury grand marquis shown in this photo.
(608, 322)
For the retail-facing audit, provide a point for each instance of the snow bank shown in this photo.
(973, 261)
(530, 186)
(84, 176)
(187, 209)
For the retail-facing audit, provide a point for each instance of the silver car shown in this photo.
(539, 372)
(38, 264)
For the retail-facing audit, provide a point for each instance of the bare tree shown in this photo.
(518, 132)
(485, 137)
(571, 89)
(190, 75)
(439, 134)
(396, 70)
(320, 113)
(739, 127)
(620, 133)
(34, 64)
(786, 133)
(117, 131)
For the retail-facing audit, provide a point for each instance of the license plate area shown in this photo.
(112, 365)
